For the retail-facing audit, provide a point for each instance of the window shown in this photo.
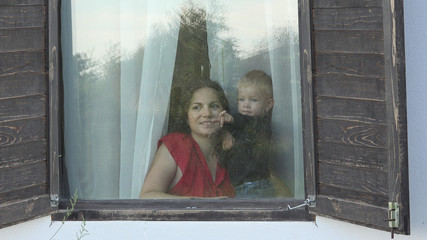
(352, 133)
(125, 71)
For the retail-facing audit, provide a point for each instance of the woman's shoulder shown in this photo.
(176, 136)
(175, 140)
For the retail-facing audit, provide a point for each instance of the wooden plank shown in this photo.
(187, 210)
(24, 84)
(22, 16)
(349, 41)
(368, 111)
(21, 131)
(356, 65)
(307, 95)
(22, 2)
(54, 118)
(21, 62)
(23, 176)
(362, 214)
(12, 109)
(352, 156)
(357, 179)
(396, 109)
(348, 19)
(23, 153)
(346, 3)
(23, 193)
(350, 194)
(15, 212)
(24, 39)
(352, 133)
(350, 86)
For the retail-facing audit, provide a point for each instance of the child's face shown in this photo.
(252, 102)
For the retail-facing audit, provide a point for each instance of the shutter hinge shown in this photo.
(54, 200)
(393, 216)
(309, 202)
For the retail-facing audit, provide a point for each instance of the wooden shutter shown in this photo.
(24, 139)
(360, 156)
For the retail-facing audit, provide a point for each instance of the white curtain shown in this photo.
(283, 46)
(116, 96)
(264, 35)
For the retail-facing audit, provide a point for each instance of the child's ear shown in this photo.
(270, 104)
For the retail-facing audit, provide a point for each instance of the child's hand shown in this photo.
(224, 117)
(227, 140)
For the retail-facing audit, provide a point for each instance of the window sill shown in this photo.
(184, 210)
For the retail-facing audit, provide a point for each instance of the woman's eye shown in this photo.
(241, 99)
(215, 106)
(196, 107)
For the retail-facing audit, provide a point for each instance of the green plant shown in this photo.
(82, 232)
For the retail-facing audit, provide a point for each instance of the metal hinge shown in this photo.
(54, 200)
(393, 216)
(309, 202)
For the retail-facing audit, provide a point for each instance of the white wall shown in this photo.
(416, 65)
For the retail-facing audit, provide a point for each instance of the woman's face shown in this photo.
(205, 108)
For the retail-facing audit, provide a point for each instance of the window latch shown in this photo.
(54, 200)
(309, 202)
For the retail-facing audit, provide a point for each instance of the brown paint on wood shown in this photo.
(355, 134)
(22, 62)
(359, 213)
(348, 19)
(336, 85)
(351, 194)
(15, 178)
(23, 153)
(24, 39)
(23, 193)
(187, 210)
(352, 156)
(26, 209)
(396, 110)
(23, 3)
(346, 3)
(349, 41)
(349, 109)
(356, 65)
(21, 131)
(20, 85)
(14, 17)
(358, 179)
(13, 109)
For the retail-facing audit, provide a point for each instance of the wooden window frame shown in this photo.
(265, 210)
(141, 209)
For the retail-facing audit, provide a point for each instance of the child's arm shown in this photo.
(227, 140)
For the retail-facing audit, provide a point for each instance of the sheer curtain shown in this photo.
(245, 35)
(118, 59)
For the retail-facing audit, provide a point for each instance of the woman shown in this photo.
(188, 164)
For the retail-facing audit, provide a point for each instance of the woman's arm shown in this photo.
(162, 174)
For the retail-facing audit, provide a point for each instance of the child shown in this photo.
(247, 160)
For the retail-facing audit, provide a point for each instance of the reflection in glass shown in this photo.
(124, 60)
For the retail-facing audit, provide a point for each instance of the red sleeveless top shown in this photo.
(196, 178)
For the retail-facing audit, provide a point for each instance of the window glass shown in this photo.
(127, 64)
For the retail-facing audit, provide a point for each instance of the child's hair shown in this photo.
(258, 79)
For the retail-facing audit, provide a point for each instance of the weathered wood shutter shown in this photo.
(360, 156)
(24, 140)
